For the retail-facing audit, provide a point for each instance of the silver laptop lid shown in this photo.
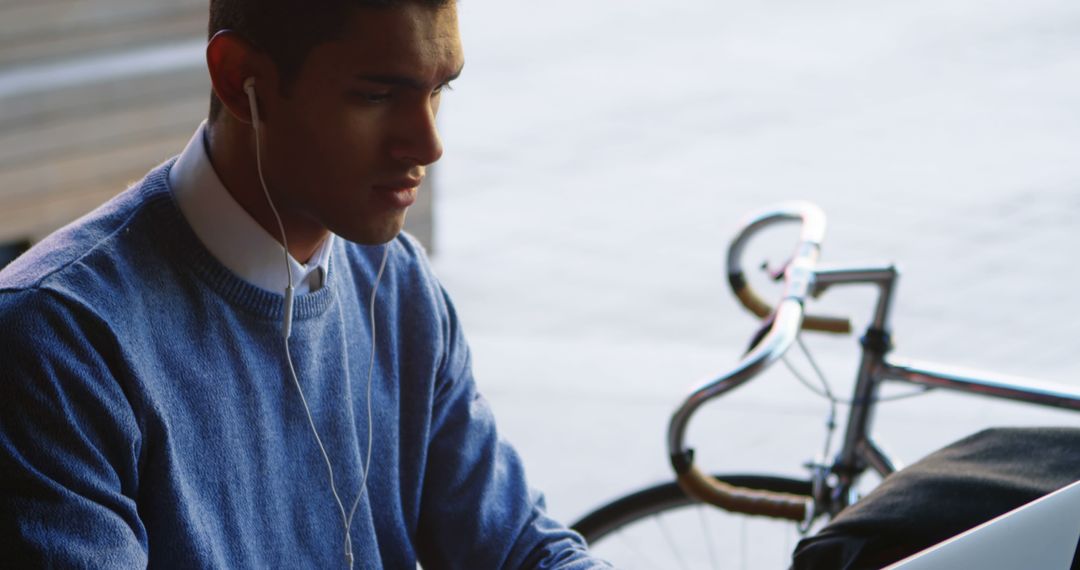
(1042, 534)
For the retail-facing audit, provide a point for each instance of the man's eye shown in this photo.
(441, 88)
(373, 98)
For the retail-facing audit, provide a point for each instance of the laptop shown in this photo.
(1043, 534)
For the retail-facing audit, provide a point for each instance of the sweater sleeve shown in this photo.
(69, 440)
(477, 509)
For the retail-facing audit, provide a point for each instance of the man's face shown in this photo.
(349, 144)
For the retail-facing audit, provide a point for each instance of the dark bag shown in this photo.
(946, 493)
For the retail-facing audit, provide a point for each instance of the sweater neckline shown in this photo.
(176, 233)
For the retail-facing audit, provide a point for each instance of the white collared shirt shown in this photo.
(231, 234)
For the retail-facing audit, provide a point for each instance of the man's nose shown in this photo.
(418, 139)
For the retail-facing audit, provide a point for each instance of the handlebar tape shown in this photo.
(756, 305)
(742, 500)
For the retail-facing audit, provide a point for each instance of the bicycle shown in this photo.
(658, 518)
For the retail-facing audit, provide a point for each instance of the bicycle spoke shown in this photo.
(743, 557)
(631, 545)
(660, 528)
(709, 536)
(671, 542)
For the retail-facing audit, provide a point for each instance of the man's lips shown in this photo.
(400, 184)
(400, 193)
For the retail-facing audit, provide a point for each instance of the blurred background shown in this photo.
(599, 157)
(93, 93)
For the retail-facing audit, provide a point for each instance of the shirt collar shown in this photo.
(230, 233)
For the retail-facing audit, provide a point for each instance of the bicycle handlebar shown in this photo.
(788, 319)
(813, 231)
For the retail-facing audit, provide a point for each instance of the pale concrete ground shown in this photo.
(599, 157)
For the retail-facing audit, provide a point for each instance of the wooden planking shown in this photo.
(123, 162)
(81, 116)
(33, 31)
(71, 187)
(40, 50)
(40, 142)
(27, 17)
(62, 152)
(24, 109)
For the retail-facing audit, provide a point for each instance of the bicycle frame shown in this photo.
(858, 451)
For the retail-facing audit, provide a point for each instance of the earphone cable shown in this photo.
(322, 449)
(266, 190)
(286, 330)
(371, 372)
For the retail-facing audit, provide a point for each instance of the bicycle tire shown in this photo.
(641, 515)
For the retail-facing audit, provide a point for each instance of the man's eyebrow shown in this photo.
(404, 80)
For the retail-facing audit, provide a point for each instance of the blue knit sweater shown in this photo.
(147, 415)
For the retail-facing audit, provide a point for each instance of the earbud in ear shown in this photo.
(249, 88)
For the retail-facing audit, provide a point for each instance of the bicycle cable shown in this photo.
(828, 394)
(830, 422)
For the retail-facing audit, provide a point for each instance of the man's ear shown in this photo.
(231, 60)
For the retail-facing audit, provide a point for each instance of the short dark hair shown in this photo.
(286, 30)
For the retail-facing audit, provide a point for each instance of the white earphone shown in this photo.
(286, 331)
(249, 88)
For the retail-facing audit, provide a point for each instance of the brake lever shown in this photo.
(776, 275)
(763, 330)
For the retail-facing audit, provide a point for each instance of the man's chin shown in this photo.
(374, 233)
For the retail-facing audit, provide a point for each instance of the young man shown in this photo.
(180, 388)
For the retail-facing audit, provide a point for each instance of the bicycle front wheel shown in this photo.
(660, 527)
